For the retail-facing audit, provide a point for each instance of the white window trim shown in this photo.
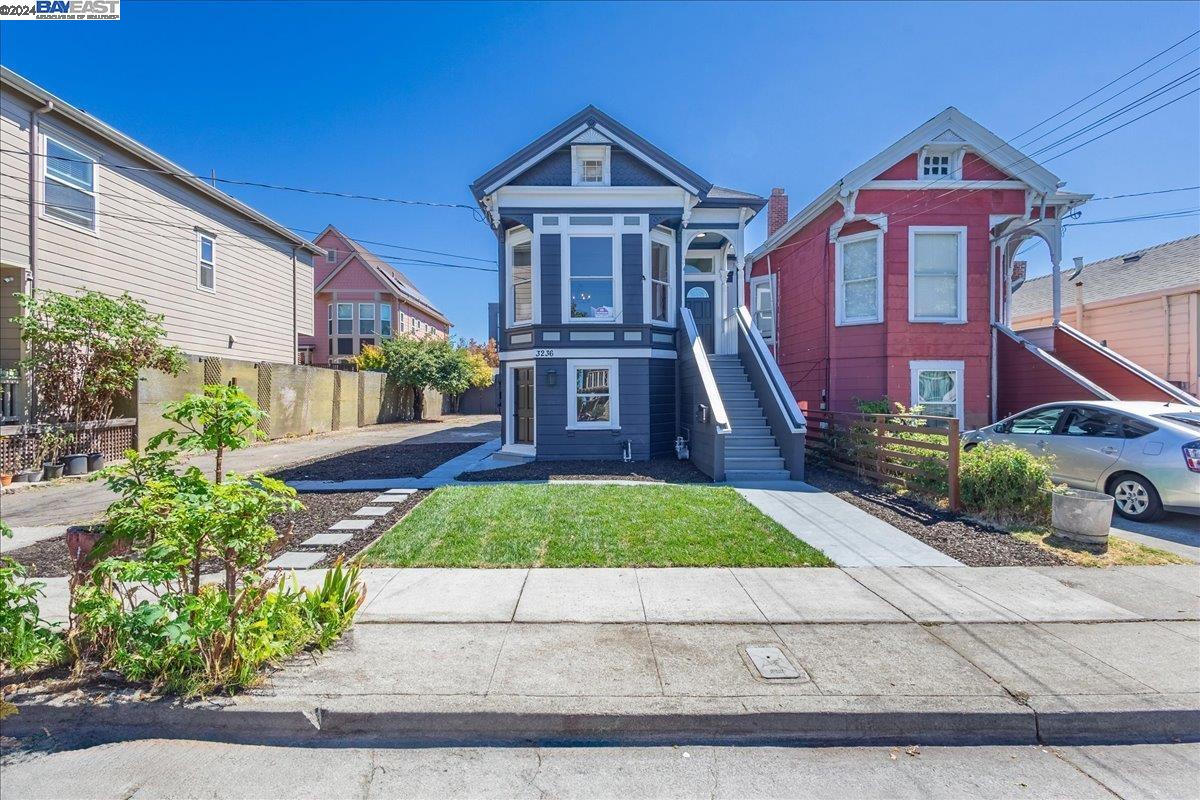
(201, 235)
(613, 232)
(614, 394)
(840, 316)
(755, 282)
(956, 161)
(44, 176)
(360, 319)
(663, 238)
(961, 231)
(519, 236)
(580, 152)
(391, 320)
(915, 368)
(331, 256)
(510, 392)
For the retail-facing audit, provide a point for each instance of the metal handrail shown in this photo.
(720, 418)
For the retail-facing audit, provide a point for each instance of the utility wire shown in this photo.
(1144, 194)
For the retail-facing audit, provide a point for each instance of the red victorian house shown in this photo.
(895, 282)
(359, 300)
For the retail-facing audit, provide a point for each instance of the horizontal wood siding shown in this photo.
(1103, 371)
(1024, 380)
(551, 277)
(14, 182)
(630, 270)
(662, 406)
(556, 443)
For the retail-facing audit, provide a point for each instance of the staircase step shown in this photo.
(754, 463)
(733, 475)
(732, 451)
(740, 439)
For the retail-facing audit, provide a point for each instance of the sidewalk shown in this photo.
(53, 507)
(885, 655)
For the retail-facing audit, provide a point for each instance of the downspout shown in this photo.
(992, 315)
(30, 411)
(295, 320)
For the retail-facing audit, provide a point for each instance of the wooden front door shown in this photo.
(699, 300)
(523, 407)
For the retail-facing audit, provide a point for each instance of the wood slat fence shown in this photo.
(920, 453)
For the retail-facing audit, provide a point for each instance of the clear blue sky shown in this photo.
(416, 101)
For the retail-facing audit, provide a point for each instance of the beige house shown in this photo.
(1145, 305)
(83, 206)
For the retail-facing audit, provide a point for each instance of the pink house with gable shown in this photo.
(361, 300)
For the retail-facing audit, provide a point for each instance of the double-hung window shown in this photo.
(522, 282)
(937, 387)
(366, 319)
(206, 262)
(69, 185)
(594, 394)
(593, 272)
(331, 256)
(385, 319)
(762, 305)
(859, 287)
(660, 278)
(937, 274)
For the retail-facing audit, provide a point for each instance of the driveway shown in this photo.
(1176, 533)
(41, 512)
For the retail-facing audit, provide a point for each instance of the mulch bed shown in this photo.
(378, 462)
(656, 470)
(971, 542)
(325, 508)
(49, 558)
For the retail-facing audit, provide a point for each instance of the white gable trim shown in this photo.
(648, 160)
(591, 136)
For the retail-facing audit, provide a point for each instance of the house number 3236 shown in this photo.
(544, 353)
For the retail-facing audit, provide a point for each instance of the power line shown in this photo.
(406, 247)
(1177, 214)
(1144, 194)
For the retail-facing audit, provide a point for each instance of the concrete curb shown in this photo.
(461, 721)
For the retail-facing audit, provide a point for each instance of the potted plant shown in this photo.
(5, 478)
(1081, 516)
(74, 463)
(52, 442)
(28, 475)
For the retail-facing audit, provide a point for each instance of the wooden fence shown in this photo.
(20, 447)
(918, 452)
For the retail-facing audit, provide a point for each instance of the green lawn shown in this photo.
(577, 525)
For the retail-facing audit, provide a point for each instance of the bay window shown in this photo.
(345, 318)
(366, 319)
(592, 283)
(593, 401)
(937, 274)
(385, 319)
(522, 281)
(69, 185)
(937, 387)
(859, 284)
(661, 305)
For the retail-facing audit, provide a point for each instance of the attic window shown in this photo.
(933, 166)
(331, 256)
(590, 165)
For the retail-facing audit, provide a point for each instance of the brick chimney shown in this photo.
(1018, 272)
(777, 210)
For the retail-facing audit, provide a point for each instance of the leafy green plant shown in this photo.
(26, 640)
(1006, 483)
(87, 349)
(427, 363)
(370, 359)
(880, 406)
(222, 418)
(53, 442)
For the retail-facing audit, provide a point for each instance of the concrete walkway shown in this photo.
(54, 506)
(845, 533)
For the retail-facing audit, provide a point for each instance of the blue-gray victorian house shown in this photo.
(622, 330)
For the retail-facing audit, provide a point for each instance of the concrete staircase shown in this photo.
(751, 452)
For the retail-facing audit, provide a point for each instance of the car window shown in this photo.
(1183, 418)
(1039, 422)
(1135, 428)
(1095, 422)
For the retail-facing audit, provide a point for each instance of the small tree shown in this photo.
(223, 418)
(489, 350)
(85, 351)
(427, 363)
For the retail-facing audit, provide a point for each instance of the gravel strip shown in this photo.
(656, 470)
(973, 543)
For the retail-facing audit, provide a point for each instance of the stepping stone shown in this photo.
(390, 498)
(400, 491)
(373, 511)
(352, 525)
(322, 539)
(294, 560)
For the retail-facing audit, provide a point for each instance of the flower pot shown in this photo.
(28, 476)
(51, 471)
(1082, 516)
(95, 461)
(5, 478)
(75, 464)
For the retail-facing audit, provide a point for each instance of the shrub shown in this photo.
(1005, 483)
(370, 359)
(26, 640)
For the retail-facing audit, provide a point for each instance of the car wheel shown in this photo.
(1135, 498)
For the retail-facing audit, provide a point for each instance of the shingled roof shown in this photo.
(1161, 267)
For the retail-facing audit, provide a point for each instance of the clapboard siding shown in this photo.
(551, 275)
(662, 406)
(631, 278)
(14, 169)
(555, 442)
(145, 244)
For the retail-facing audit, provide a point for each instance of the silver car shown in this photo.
(1145, 454)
